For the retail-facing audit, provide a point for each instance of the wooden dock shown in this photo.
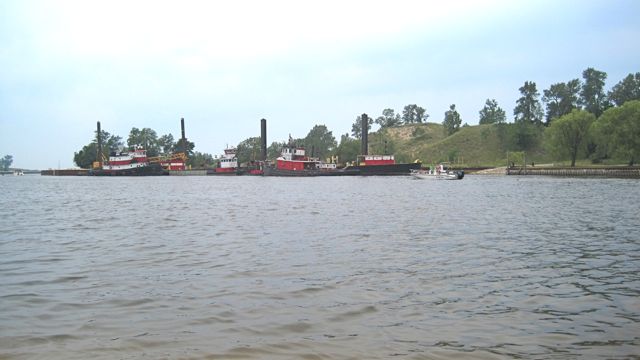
(194, 172)
(65, 172)
(619, 172)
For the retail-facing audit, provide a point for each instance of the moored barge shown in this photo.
(382, 165)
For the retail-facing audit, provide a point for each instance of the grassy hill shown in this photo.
(471, 146)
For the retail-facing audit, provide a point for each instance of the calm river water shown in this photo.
(319, 268)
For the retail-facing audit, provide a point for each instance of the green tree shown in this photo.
(248, 150)
(567, 135)
(452, 120)
(561, 99)
(5, 162)
(413, 113)
(320, 141)
(528, 107)
(186, 147)
(275, 149)
(388, 119)
(592, 96)
(525, 135)
(89, 153)
(356, 128)
(491, 113)
(86, 156)
(201, 160)
(145, 138)
(618, 129)
(381, 143)
(166, 143)
(112, 144)
(627, 89)
(348, 149)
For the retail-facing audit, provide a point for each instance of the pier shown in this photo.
(620, 172)
(65, 172)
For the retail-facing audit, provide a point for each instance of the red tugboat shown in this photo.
(293, 161)
(228, 164)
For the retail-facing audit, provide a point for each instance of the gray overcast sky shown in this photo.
(224, 65)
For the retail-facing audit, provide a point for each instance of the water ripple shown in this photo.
(342, 268)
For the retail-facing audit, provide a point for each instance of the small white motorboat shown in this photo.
(439, 172)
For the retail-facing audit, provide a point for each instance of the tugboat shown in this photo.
(131, 163)
(228, 164)
(293, 161)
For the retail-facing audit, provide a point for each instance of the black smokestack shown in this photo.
(182, 127)
(263, 139)
(365, 135)
(184, 139)
(99, 155)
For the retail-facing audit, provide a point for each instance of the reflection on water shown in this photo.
(251, 267)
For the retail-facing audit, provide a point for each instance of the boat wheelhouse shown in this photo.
(376, 160)
(228, 161)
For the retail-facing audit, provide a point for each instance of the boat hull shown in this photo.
(271, 171)
(213, 172)
(426, 175)
(149, 170)
(386, 169)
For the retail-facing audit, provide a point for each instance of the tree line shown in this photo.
(534, 117)
(572, 118)
(580, 119)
